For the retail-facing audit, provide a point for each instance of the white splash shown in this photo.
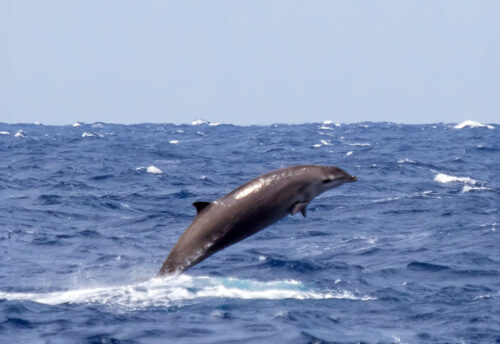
(360, 144)
(397, 340)
(4, 133)
(468, 188)
(472, 124)
(402, 161)
(322, 143)
(174, 142)
(445, 178)
(176, 289)
(153, 169)
(469, 183)
(327, 122)
(479, 297)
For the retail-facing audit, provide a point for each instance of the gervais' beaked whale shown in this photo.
(249, 209)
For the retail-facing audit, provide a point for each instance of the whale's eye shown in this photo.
(326, 181)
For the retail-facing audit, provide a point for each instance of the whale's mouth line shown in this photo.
(349, 179)
(345, 179)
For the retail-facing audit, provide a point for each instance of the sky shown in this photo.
(249, 62)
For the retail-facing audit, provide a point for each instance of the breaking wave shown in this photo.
(472, 124)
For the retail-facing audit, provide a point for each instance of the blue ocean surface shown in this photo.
(408, 254)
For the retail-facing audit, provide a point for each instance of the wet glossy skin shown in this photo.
(249, 209)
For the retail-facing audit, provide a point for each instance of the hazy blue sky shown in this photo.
(249, 62)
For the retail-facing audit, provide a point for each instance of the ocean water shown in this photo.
(408, 254)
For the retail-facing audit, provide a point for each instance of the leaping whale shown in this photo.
(249, 209)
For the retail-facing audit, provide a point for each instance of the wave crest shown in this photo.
(472, 124)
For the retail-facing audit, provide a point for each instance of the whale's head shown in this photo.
(323, 178)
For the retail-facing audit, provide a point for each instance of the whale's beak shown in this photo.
(352, 179)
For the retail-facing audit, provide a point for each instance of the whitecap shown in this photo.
(174, 142)
(402, 161)
(360, 144)
(469, 183)
(324, 127)
(4, 133)
(77, 124)
(154, 170)
(472, 124)
(20, 133)
(348, 153)
(322, 143)
(445, 178)
(479, 297)
(86, 134)
(199, 122)
(37, 123)
(176, 289)
(328, 122)
(397, 340)
(468, 188)
(213, 124)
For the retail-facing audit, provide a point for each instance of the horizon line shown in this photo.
(215, 123)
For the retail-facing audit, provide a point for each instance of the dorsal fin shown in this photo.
(200, 206)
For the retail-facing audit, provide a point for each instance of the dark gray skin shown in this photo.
(249, 209)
